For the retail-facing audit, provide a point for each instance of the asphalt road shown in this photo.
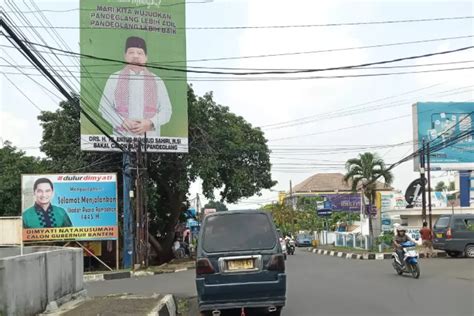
(323, 285)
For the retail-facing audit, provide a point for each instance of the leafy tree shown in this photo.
(342, 217)
(14, 163)
(225, 152)
(363, 173)
(219, 206)
(304, 219)
(61, 143)
(281, 214)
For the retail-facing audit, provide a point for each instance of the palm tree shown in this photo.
(363, 173)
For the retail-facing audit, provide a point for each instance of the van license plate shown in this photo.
(245, 264)
(439, 235)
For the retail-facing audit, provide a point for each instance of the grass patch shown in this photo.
(182, 305)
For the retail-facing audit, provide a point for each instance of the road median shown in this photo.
(358, 255)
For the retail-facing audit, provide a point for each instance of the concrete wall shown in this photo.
(10, 230)
(42, 275)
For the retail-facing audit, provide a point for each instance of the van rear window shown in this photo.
(236, 232)
(442, 222)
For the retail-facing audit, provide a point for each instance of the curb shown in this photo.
(54, 308)
(128, 274)
(363, 256)
(166, 307)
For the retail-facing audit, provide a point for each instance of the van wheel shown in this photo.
(470, 251)
(454, 254)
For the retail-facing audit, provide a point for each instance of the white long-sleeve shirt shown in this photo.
(136, 87)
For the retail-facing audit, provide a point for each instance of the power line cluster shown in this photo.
(65, 71)
(255, 27)
(263, 72)
(327, 50)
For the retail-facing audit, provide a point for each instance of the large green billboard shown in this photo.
(441, 124)
(130, 51)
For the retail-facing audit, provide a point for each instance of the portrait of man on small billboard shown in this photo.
(135, 101)
(43, 214)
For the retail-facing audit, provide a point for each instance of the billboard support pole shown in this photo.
(145, 201)
(140, 242)
(93, 255)
(127, 215)
(21, 242)
(117, 256)
(428, 168)
(423, 182)
(137, 206)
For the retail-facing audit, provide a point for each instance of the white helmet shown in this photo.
(397, 228)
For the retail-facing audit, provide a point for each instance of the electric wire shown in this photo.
(309, 70)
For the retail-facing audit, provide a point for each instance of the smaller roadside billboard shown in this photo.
(69, 207)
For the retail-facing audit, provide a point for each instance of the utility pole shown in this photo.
(292, 209)
(127, 258)
(138, 205)
(423, 182)
(428, 168)
(141, 215)
(198, 204)
(146, 216)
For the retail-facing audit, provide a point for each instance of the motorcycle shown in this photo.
(290, 247)
(410, 260)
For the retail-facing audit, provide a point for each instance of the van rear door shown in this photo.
(439, 231)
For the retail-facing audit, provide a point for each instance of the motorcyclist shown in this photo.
(399, 239)
(289, 241)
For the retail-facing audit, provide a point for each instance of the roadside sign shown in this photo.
(386, 221)
(324, 212)
(413, 191)
(328, 205)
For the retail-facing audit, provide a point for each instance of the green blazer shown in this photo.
(57, 218)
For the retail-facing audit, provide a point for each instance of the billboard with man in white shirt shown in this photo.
(131, 83)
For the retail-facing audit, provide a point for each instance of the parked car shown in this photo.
(240, 263)
(455, 234)
(303, 240)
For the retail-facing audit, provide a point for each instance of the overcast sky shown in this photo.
(320, 142)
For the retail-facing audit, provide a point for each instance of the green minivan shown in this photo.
(240, 264)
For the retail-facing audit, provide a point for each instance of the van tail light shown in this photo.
(204, 266)
(277, 263)
(449, 235)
